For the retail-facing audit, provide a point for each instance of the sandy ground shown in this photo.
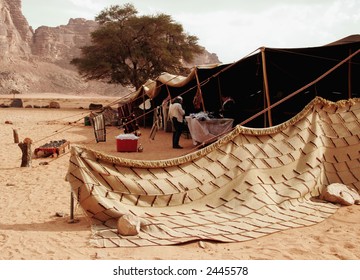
(33, 199)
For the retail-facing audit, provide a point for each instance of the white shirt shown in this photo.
(176, 110)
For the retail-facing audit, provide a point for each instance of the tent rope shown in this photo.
(300, 89)
(216, 75)
(309, 55)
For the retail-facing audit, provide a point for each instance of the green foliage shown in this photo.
(130, 49)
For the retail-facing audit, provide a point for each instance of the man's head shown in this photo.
(178, 99)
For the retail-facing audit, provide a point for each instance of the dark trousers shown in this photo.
(178, 126)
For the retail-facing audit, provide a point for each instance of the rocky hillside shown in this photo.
(38, 60)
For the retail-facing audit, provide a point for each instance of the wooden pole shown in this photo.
(301, 89)
(349, 77)
(72, 220)
(199, 90)
(26, 152)
(144, 113)
(168, 91)
(71, 207)
(265, 113)
(16, 136)
(266, 84)
(219, 88)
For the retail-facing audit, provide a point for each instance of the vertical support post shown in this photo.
(166, 117)
(265, 113)
(199, 90)
(25, 147)
(349, 77)
(72, 220)
(168, 92)
(144, 113)
(16, 136)
(219, 89)
(266, 84)
(71, 207)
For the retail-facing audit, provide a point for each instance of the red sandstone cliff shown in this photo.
(39, 60)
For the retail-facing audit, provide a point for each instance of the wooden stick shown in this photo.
(71, 207)
(199, 90)
(266, 84)
(72, 202)
(349, 77)
(26, 152)
(16, 136)
(300, 89)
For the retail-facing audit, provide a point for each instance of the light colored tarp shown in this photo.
(177, 81)
(250, 183)
(207, 131)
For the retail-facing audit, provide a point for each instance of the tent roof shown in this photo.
(346, 40)
(287, 70)
(179, 81)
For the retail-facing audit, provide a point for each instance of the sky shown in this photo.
(232, 29)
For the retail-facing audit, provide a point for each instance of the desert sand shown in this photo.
(35, 201)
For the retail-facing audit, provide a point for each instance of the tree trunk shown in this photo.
(26, 152)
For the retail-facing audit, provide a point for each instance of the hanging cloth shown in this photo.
(98, 123)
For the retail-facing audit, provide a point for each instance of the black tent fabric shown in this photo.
(266, 77)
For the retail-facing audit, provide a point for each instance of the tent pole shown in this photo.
(264, 104)
(219, 88)
(349, 76)
(168, 92)
(143, 96)
(267, 94)
(199, 89)
(301, 89)
(72, 220)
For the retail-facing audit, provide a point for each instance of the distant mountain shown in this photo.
(38, 60)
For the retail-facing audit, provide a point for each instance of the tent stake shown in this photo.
(16, 136)
(25, 147)
(72, 220)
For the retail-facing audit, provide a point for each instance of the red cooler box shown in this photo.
(127, 143)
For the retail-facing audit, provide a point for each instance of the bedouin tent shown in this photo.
(249, 183)
(267, 76)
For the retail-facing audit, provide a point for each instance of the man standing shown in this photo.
(176, 114)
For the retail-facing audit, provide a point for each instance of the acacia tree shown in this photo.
(130, 49)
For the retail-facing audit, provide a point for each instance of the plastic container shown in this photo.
(127, 143)
(87, 121)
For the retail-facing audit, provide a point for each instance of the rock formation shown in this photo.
(61, 44)
(15, 33)
(39, 61)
